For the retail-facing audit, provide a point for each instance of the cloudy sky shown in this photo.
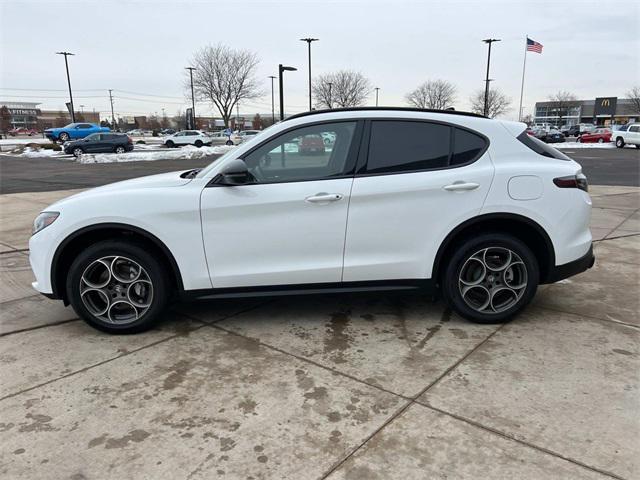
(140, 48)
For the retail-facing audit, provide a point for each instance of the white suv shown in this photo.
(402, 199)
(187, 137)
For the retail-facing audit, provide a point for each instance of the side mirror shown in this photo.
(235, 173)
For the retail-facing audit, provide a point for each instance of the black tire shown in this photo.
(601, 140)
(169, 144)
(451, 284)
(637, 145)
(155, 272)
(120, 149)
(63, 137)
(198, 143)
(619, 142)
(228, 143)
(77, 152)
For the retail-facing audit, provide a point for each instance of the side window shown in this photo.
(407, 146)
(303, 154)
(467, 146)
(84, 125)
(540, 147)
(179, 134)
(635, 128)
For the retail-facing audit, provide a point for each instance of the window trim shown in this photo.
(350, 163)
(363, 160)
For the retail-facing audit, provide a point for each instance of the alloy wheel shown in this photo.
(492, 280)
(116, 290)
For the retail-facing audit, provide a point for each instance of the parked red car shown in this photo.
(22, 131)
(311, 144)
(600, 135)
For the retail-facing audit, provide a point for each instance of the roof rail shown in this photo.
(402, 109)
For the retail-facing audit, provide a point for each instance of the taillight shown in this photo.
(572, 181)
(129, 139)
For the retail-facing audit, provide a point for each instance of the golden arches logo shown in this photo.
(605, 102)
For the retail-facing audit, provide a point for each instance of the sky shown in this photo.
(140, 48)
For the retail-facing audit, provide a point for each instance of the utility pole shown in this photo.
(377, 89)
(113, 117)
(273, 107)
(330, 99)
(66, 64)
(488, 41)
(193, 98)
(238, 116)
(281, 69)
(309, 40)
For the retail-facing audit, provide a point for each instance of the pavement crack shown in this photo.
(38, 327)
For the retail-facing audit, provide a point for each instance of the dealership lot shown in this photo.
(352, 386)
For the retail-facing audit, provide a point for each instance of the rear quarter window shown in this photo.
(540, 147)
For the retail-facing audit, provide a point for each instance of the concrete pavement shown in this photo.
(368, 386)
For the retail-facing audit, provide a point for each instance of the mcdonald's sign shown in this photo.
(605, 106)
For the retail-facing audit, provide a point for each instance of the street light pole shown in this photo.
(377, 89)
(281, 69)
(488, 41)
(273, 108)
(66, 64)
(309, 40)
(193, 98)
(330, 99)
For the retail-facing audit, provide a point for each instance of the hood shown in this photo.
(162, 180)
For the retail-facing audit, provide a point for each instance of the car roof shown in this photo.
(383, 109)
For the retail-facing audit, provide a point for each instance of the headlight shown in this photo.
(44, 220)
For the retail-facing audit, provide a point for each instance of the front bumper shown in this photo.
(560, 272)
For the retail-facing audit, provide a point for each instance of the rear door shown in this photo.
(418, 181)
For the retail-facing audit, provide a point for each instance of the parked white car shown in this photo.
(220, 138)
(187, 137)
(459, 204)
(627, 135)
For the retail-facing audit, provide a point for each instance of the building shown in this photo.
(600, 111)
(28, 115)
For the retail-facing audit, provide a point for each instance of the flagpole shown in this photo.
(524, 66)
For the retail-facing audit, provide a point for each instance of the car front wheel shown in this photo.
(77, 152)
(198, 143)
(117, 287)
(228, 143)
(170, 144)
(490, 278)
(120, 149)
(64, 136)
(619, 142)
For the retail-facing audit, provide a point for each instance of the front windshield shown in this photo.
(232, 152)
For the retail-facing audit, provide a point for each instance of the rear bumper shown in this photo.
(570, 269)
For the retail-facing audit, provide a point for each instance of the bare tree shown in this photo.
(498, 102)
(434, 94)
(344, 88)
(224, 76)
(634, 95)
(561, 101)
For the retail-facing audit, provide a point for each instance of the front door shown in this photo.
(287, 226)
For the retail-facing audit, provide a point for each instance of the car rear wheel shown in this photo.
(228, 143)
(63, 137)
(619, 142)
(117, 287)
(78, 152)
(120, 149)
(579, 139)
(198, 143)
(169, 144)
(490, 278)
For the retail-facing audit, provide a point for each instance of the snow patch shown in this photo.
(578, 145)
(185, 153)
(30, 152)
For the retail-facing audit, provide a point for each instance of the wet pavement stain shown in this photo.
(248, 406)
(337, 341)
(39, 423)
(178, 373)
(134, 436)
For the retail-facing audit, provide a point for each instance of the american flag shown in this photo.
(533, 46)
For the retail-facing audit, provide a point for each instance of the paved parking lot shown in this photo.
(369, 386)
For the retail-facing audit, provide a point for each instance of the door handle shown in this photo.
(323, 197)
(461, 186)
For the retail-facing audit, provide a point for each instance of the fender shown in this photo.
(491, 218)
(175, 270)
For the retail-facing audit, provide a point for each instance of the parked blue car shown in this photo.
(73, 131)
